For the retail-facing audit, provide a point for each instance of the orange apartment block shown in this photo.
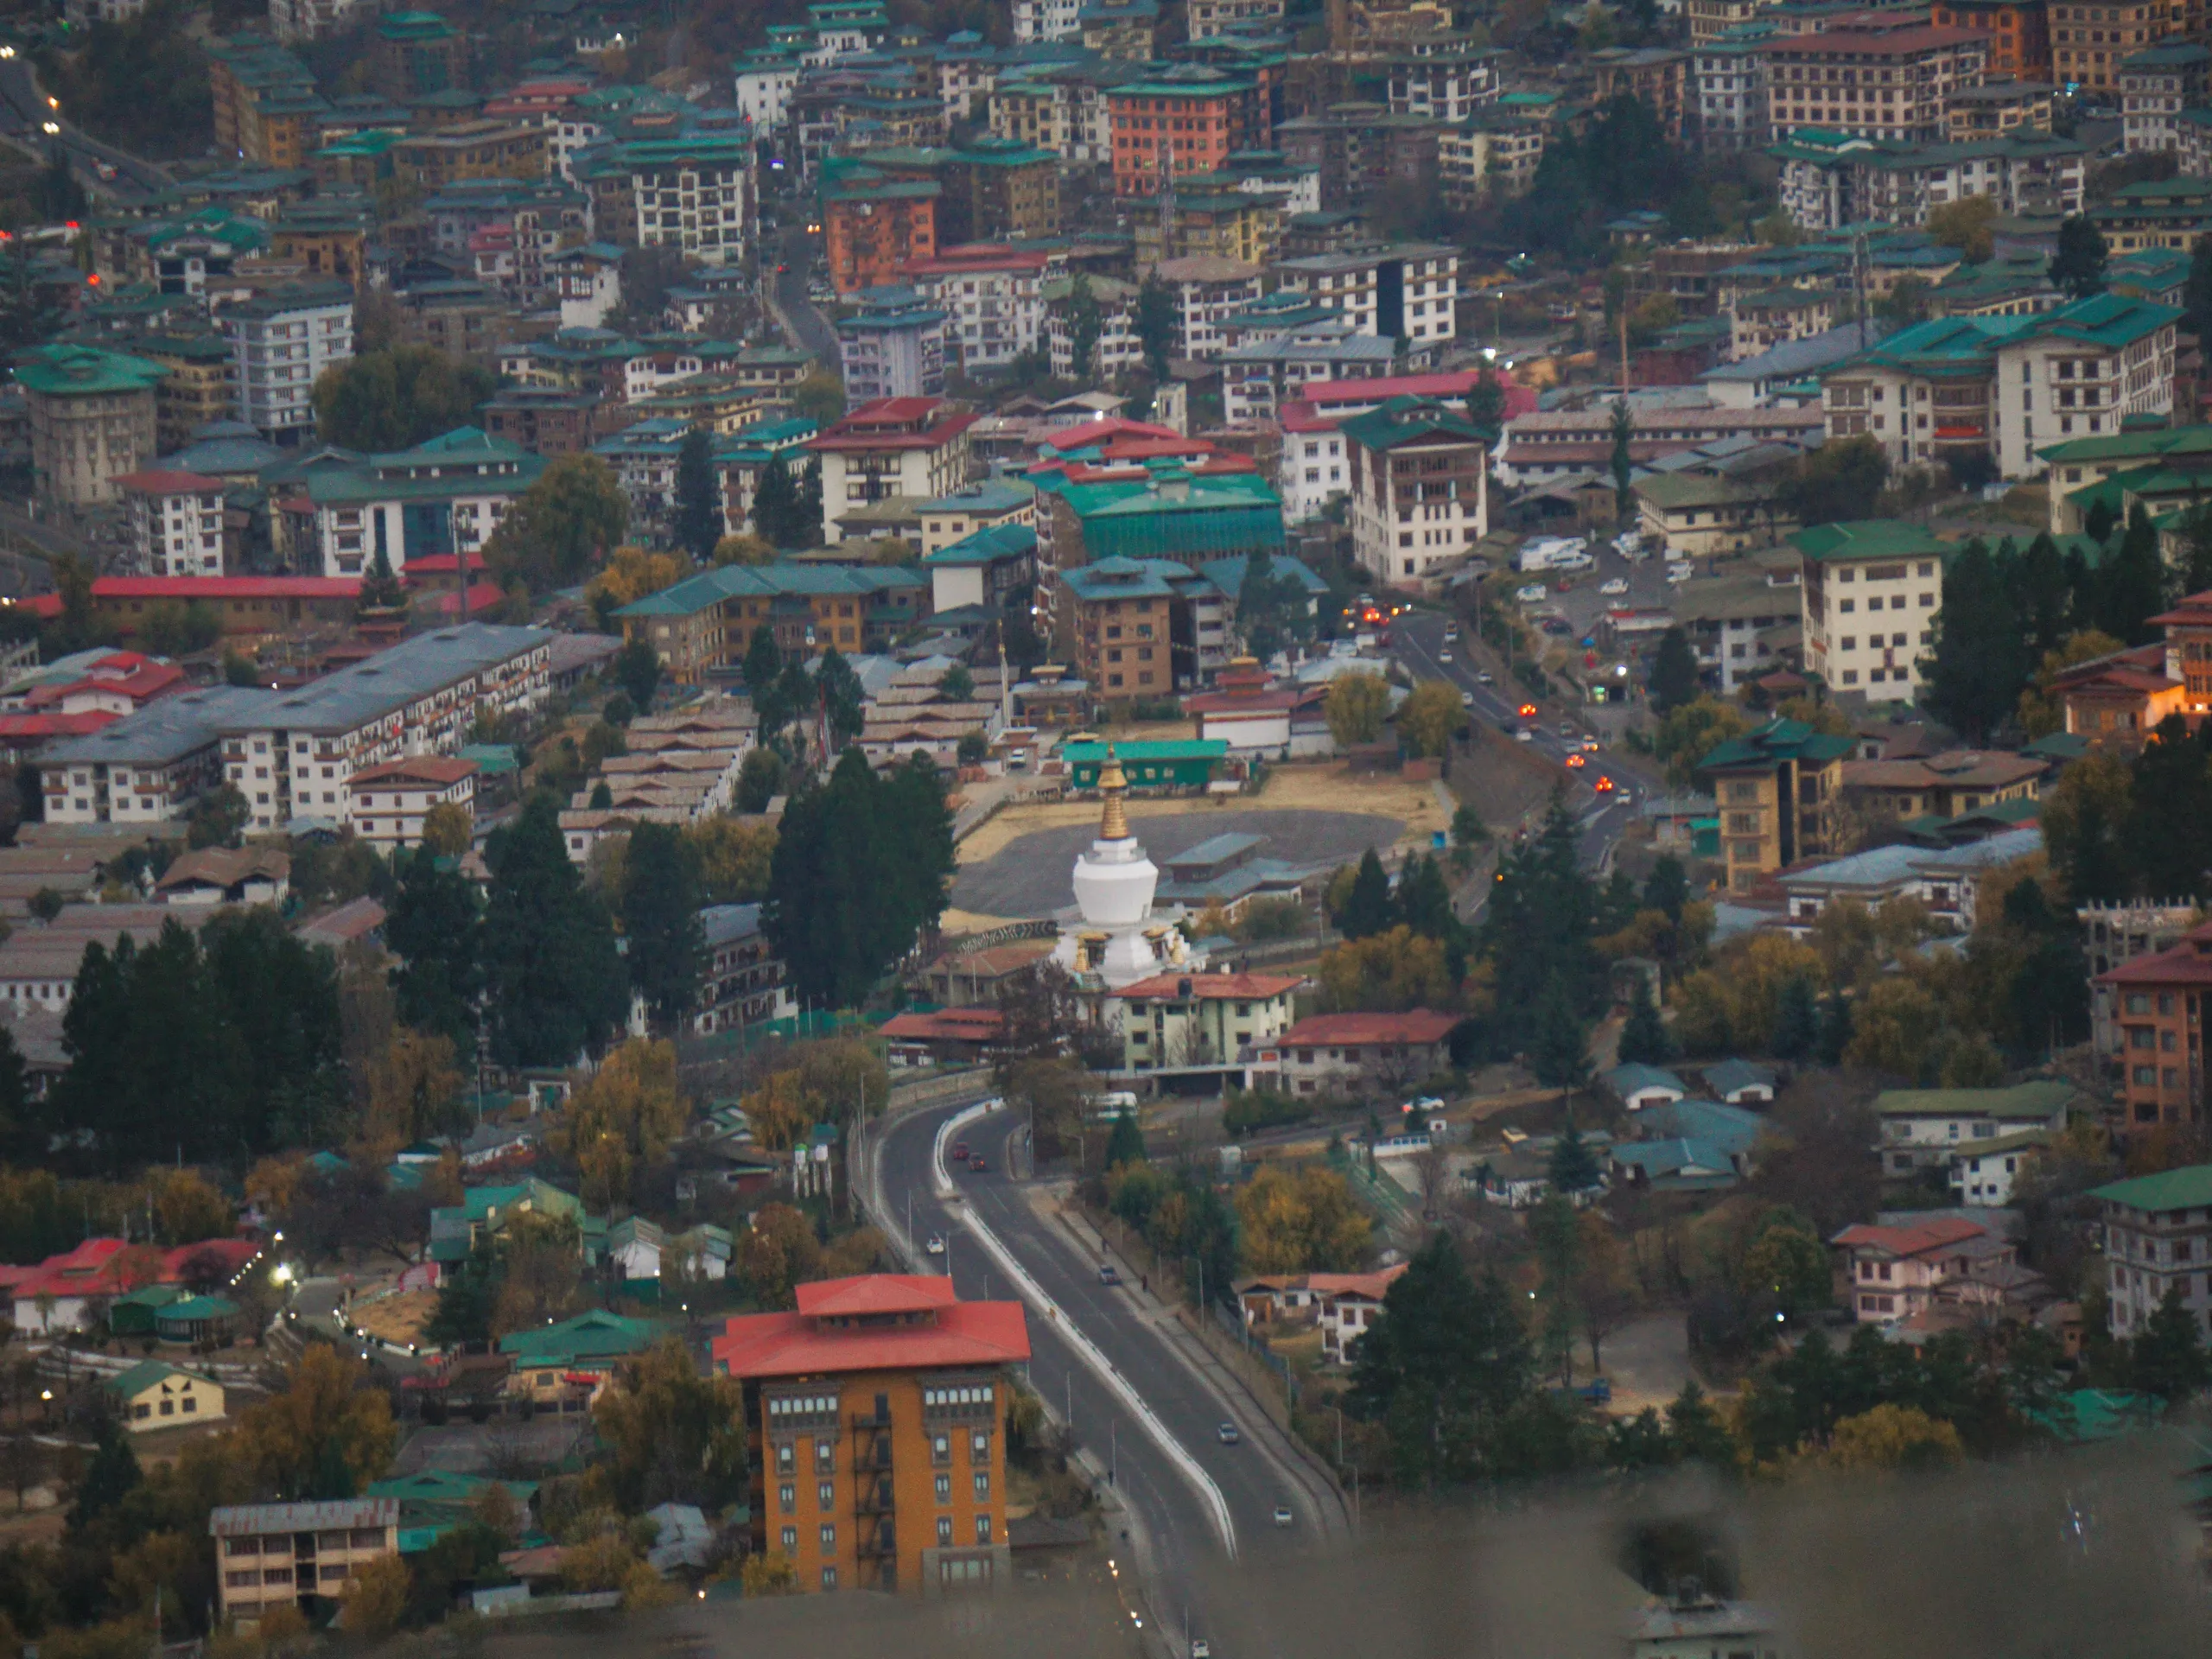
(874, 226)
(877, 1417)
(2019, 31)
(2159, 1004)
(2089, 43)
(1190, 118)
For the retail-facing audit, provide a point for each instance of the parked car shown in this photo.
(1106, 1275)
(1533, 593)
(1618, 585)
(1228, 1434)
(1283, 1517)
(936, 1246)
(1678, 572)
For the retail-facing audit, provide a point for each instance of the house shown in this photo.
(154, 1393)
(1174, 1021)
(741, 981)
(1896, 1271)
(1946, 881)
(1741, 1082)
(1358, 1053)
(1924, 1128)
(1983, 1173)
(879, 1373)
(563, 1367)
(915, 448)
(1856, 579)
(196, 1319)
(291, 1555)
(1639, 1086)
(1688, 1145)
(385, 804)
(1350, 1306)
(65, 1292)
(633, 1245)
(224, 875)
(1419, 489)
(946, 1037)
(2157, 1239)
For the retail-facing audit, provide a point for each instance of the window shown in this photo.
(786, 1458)
(828, 1578)
(787, 1496)
(791, 1538)
(825, 1458)
(979, 1446)
(828, 1536)
(944, 1489)
(825, 1495)
(983, 1486)
(982, 1529)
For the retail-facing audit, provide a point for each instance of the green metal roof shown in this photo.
(1774, 743)
(84, 371)
(1867, 539)
(2188, 1188)
(1404, 420)
(2042, 1099)
(1187, 748)
(596, 1335)
(148, 1372)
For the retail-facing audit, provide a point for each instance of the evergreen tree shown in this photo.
(1696, 1428)
(1573, 1167)
(2044, 593)
(636, 670)
(1368, 911)
(1559, 1052)
(1156, 325)
(1645, 1039)
(1537, 926)
(1796, 1020)
(1126, 1144)
(1673, 673)
(661, 899)
(698, 495)
(841, 697)
(1667, 888)
(1083, 327)
(381, 590)
(777, 517)
(763, 673)
(2169, 1358)
(2078, 268)
(1980, 662)
(2167, 838)
(1836, 1029)
(2131, 586)
(1623, 465)
(552, 974)
(111, 1474)
(2098, 523)
(809, 525)
(1424, 900)
(434, 926)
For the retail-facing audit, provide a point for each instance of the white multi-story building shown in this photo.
(892, 346)
(1447, 86)
(280, 343)
(1208, 290)
(1729, 83)
(764, 81)
(1417, 473)
(176, 521)
(1207, 18)
(149, 767)
(696, 192)
(385, 804)
(302, 19)
(295, 754)
(915, 447)
(440, 498)
(1870, 592)
(1118, 350)
(1409, 291)
(2158, 1238)
(993, 297)
(2155, 87)
(1259, 376)
(1045, 19)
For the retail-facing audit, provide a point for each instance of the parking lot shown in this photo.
(1579, 597)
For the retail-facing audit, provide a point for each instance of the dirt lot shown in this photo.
(398, 1318)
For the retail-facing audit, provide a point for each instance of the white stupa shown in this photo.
(1112, 934)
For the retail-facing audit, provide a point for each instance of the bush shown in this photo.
(1249, 1110)
(1169, 709)
(1264, 919)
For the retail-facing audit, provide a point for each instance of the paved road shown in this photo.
(24, 110)
(795, 251)
(1418, 641)
(1188, 1563)
(1029, 875)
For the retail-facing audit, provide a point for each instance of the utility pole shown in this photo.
(1623, 345)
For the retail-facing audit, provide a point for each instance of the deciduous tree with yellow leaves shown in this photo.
(1386, 973)
(328, 1435)
(624, 1119)
(1302, 1221)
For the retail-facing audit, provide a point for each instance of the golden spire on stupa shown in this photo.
(1114, 824)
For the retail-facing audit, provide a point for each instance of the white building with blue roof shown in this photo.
(1944, 881)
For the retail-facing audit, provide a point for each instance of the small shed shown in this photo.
(196, 1318)
(155, 1395)
(1641, 1086)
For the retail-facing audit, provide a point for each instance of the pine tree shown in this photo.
(1796, 1020)
(776, 516)
(698, 495)
(1673, 673)
(553, 977)
(2131, 585)
(1645, 1039)
(661, 899)
(380, 589)
(763, 673)
(1126, 1144)
(2078, 268)
(2169, 1358)
(842, 696)
(1559, 1052)
(1980, 660)
(1667, 888)
(807, 523)
(1836, 1029)
(1573, 1167)
(434, 927)
(1368, 911)
(1083, 327)
(1623, 465)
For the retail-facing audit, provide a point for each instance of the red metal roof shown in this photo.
(1417, 1026)
(2188, 963)
(26, 728)
(1915, 1240)
(160, 481)
(189, 588)
(874, 1292)
(432, 768)
(971, 1024)
(982, 1334)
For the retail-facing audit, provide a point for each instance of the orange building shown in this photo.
(2159, 1004)
(874, 225)
(1190, 117)
(2019, 31)
(877, 1416)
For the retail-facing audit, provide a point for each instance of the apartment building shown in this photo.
(1123, 615)
(1494, 155)
(2019, 32)
(294, 753)
(176, 521)
(1444, 86)
(1186, 119)
(1829, 181)
(694, 192)
(1207, 291)
(385, 804)
(915, 447)
(1896, 1272)
(1872, 592)
(2090, 44)
(281, 342)
(1406, 290)
(265, 107)
(1417, 476)
(2157, 1242)
(443, 498)
(1356, 1054)
(2159, 1004)
(741, 981)
(706, 622)
(1208, 19)
(93, 419)
(892, 346)
(1359, 148)
(1869, 84)
(1776, 788)
(992, 296)
(877, 1413)
(1116, 351)
(2155, 87)
(293, 1556)
(150, 767)
(1655, 76)
(1173, 1020)
(1727, 89)
(875, 226)
(469, 150)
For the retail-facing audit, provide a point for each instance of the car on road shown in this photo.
(936, 1246)
(1618, 585)
(1228, 1435)
(1200, 1648)
(1589, 745)
(1576, 760)
(1534, 593)
(106, 170)
(1524, 736)
(1678, 573)
(1567, 728)
(1106, 1275)
(1451, 630)
(1466, 699)
(1483, 677)
(960, 1150)
(1283, 1517)
(1445, 655)
(980, 1165)
(1604, 786)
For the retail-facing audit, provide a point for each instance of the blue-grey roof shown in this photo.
(1228, 574)
(163, 731)
(385, 682)
(992, 545)
(1729, 1076)
(1884, 865)
(1628, 1079)
(985, 495)
(1732, 1128)
(1795, 359)
(727, 924)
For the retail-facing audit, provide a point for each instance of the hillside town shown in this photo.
(1078, 802)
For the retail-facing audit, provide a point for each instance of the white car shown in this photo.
(1618, 585)
(1443, 655)
(1535, 593)
(1524, 736)
(936, 1246)
(1678, 573)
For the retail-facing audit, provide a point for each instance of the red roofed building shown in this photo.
(385, 804)
(121, 683)
(2158, 1005)
(2113, 701)
(21, 735)
(1315, 466)
(948, 1037)
(61, 1294)
(1896, 1271)
(876, 1415)
(1359, 1053)
(914, 447)
(176, 521)
(242, 605)
(1175, 1020)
